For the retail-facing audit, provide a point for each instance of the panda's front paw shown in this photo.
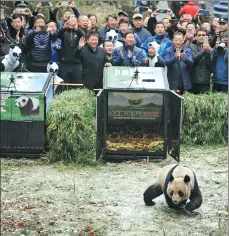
(151, 203)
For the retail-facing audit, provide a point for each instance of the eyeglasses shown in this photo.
(222, 23)
(201, 35)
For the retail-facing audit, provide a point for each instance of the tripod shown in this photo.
(12, 82)
(136, 72)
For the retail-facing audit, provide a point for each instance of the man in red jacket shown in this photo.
(189, 8)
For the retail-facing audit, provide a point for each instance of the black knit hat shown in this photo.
(21, 4)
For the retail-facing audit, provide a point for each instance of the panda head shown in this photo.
(179, 189)
(112, 35)
(21, 101)
(52, 67)
(14, 53)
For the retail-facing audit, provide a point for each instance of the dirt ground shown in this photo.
(107, 200)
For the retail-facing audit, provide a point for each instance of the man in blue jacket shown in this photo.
(128, 55)
(220, 64)
(160, 38)
(178, 60)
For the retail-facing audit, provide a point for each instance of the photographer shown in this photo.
(220, 64)
(38, 46)
(70, 65)
(21, 8)
(67, 14)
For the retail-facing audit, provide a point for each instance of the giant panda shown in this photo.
(28, 105)
(10, 62)
(178, 184)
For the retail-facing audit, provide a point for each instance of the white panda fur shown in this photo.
(184, 180)
(52, 67)
(10, 62)
(28, 105)
(112, 35)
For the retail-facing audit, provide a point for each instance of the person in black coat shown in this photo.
(93, 59)
(71, 67)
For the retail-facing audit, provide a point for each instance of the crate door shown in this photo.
(100, 115)
(174, 125)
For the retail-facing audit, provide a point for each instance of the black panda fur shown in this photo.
(186, 178)
(30, 108)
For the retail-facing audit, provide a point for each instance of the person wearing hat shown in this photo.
(153, 59)
(138, 27)
(223, 22)
(123, 14)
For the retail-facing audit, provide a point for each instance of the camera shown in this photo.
(21, 11)
(43, 28)
(204, 12)
(221, 45)
(163, 10)
(143, 9)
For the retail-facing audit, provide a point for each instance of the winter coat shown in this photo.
(202, 67)
(69, 42)
(137, 41)
(142, 33)
(38, 46)
(125, 61)
(102, 33)
(160, 39)
(220, 66)
(189, 8)
(93, 62)
(175, 67)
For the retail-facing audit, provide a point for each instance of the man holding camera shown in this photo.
(220, 64)
(38, 45)
(66, 15)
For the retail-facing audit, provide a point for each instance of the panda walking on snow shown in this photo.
(28, 105)
(178, 184)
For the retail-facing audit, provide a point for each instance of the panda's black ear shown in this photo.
(186, 179)
(108, 30)
(116, 31)
(12, 46)
(171, 178)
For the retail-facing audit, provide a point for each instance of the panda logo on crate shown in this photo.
(28, 105)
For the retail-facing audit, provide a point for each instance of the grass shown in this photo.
(71, 127)
(205, 119)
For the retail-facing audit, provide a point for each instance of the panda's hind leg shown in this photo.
(151, 193)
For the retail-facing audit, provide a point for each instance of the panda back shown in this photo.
(181, 171)
(164, 173)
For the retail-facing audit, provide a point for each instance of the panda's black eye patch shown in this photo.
(23, 100)
(110, 38)
(181, 194)
(171, 193)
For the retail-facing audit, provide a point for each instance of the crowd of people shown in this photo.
(184, 37)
